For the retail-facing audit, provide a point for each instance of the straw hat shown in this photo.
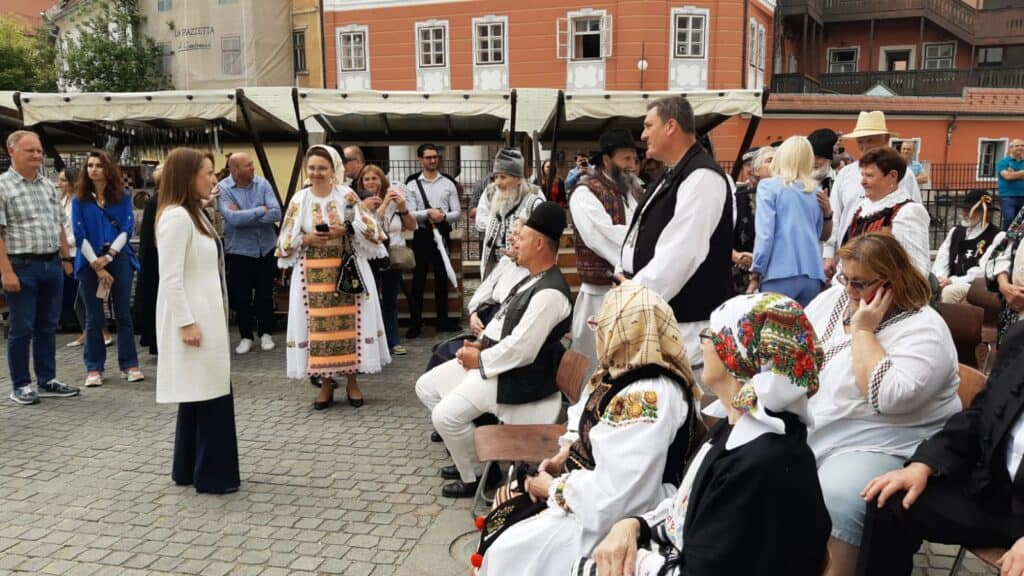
(869, 124)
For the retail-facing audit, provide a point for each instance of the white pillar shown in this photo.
(402, 162)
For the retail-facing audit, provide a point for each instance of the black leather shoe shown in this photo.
(450, 472)
(435, 436)
(317, 405)
(356, 402)
(413, 332)
(459, 489)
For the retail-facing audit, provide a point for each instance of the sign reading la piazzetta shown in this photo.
(194, 38)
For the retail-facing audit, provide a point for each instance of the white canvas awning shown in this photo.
(168, 106)
(409, 116)
(587, 114)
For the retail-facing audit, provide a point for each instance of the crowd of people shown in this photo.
(798, 299)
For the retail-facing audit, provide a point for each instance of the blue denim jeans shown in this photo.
(95, 353)
(34, 315)
(391, 284)
(1009, 206)
(803, 289)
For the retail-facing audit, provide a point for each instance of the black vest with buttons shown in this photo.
(711, 284)
(965, 254)
(536, 380)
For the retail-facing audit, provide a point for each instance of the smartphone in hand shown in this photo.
(323, 228)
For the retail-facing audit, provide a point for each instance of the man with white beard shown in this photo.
(602, 206)
(508, 198)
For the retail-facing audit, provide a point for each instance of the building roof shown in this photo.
(27, 11)
(975, 102)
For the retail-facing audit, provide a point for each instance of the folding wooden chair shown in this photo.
(980, 295)
(964, 322)
(528, 442)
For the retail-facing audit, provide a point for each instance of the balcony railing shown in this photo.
(908, 83)
(998, 26)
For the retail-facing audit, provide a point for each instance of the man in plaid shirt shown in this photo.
(33, 262)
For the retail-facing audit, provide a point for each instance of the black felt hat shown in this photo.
(823, 142)
(611, 141)
(548, 218)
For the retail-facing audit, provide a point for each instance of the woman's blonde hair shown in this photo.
(177, 186)
(881, 255)
(373, 169)
(794, 162)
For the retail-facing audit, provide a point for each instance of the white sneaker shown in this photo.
(93, 379)
(244, 346)
(266, 342)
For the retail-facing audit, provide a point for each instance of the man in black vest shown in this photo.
(680, 240)
(965, 485)
(510, 371)
(969, 245)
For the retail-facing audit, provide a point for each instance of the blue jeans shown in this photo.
(1009, 206)
(391, 284)
(34, 315)
(803, 289)
(121, 292)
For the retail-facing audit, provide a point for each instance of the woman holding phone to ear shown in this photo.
(105, 263)
(889, 380)
(194, 365)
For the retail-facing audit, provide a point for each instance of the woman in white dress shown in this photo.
(331, 333)
(194, 365)
(626, 446)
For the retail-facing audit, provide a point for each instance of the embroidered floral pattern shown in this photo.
(634, 406)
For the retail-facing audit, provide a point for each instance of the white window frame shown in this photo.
(1005, 142)
(354, 29)
(565, 45)
(690, 12)
(917, 145)
(446, 43)
(856, 61)
(925, 59)
(490, 21)
(911, 60)
(223, 54)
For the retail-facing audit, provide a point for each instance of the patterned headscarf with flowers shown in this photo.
(766, 342)
(637, 328)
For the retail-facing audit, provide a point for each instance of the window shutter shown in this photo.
(606, 36)
(562, 38)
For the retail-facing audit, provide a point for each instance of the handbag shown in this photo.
(402, 258)
(350, 280)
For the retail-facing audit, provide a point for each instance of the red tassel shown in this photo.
(479, 522)
(477, 560)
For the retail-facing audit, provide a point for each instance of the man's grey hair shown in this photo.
(16, 137)
(759, 158)
(354, 152)
(677, 108)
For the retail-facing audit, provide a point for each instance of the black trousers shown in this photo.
(427, 255)
(251, 292)
(943, 513)
(205, 446)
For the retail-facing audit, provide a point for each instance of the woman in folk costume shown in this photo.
(749, 502)
(627, 441)
(331, 333)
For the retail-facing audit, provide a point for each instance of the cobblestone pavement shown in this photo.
(85, 482)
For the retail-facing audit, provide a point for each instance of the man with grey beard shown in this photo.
(508, 198)
(602, 206)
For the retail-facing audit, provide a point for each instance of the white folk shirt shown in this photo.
(1015, 448)
(909, 226)
(683, 246)
(546, 309)
(941, 266)
(597, 230)
(498, 284)
(912, 390)
(846, 195)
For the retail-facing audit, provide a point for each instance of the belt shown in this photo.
(34, 256)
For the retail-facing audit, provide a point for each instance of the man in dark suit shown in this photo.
(965, 485)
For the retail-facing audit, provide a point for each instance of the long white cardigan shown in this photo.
(191, 290)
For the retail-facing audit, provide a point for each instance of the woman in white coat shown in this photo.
(194, 365)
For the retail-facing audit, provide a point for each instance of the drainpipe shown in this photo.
(323, 46)
(745, 51)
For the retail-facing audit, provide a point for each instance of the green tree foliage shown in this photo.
(111, 54)
(27, 63)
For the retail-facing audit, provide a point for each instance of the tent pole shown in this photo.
(257, 143)
(559, 112)
(512, 122)
(48, 146)
(300, 150)
(748, 137)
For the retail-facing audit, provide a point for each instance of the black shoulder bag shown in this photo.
(444, 227)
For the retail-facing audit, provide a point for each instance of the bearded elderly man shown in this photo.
(602, 206)
(508, 198)
(510, 371)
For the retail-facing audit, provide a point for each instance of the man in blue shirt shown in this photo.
(250, 208)
(1011, 182)
(578, 171)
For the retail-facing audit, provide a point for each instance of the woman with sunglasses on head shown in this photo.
(889, 380)
(104, 221)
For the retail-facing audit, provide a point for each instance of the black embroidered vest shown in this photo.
(881, 220)
(711, 284)
(965, 254)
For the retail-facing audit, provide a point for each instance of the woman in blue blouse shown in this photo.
(105, 263)
(788, 225)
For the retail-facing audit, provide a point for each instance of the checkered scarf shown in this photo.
(636, 328)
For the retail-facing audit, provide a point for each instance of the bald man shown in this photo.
(250, 208)
(354, 163)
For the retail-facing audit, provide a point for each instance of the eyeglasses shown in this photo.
(858, 285)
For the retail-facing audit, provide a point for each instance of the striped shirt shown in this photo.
(30, 214)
